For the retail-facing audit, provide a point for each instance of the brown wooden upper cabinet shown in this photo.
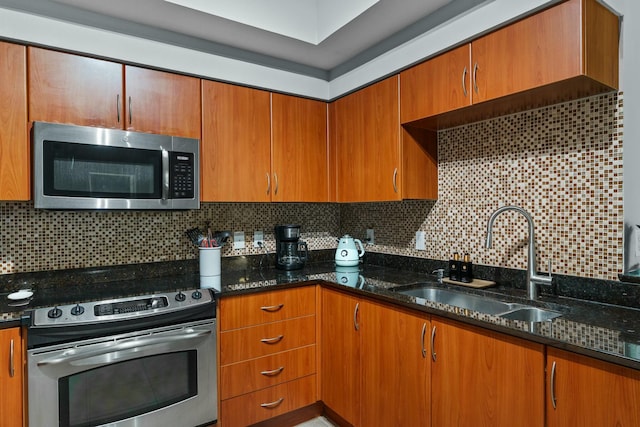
(567, 51)
(259, 147)
(68, 88)
(375, 159)
(299, 150)
(14, 144)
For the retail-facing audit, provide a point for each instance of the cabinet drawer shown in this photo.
(264, 307)
(262, 340)
(264, 404)
(257, 374)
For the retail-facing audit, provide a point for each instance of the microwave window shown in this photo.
(81, 170)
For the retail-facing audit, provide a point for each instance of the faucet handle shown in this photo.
(439, 273)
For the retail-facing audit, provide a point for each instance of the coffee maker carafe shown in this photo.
(291, 252)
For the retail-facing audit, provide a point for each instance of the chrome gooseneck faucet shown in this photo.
(533, 279)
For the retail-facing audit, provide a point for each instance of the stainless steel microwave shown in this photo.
(79, 167)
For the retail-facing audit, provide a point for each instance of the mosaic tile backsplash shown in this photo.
(561, 163)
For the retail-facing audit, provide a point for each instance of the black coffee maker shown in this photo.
(291, 252)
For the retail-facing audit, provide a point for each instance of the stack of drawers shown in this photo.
(267, 354)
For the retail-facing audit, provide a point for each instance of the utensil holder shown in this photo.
(210, 267)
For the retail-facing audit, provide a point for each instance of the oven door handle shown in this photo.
(117, 350)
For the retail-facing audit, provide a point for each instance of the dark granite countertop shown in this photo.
(604, 331)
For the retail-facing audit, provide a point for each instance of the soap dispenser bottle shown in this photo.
(466, 269)
(454, 267)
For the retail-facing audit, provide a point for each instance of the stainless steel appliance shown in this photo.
(79, 167)
(141, 361)
(291, 252)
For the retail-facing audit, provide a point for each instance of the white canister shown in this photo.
(210, 261)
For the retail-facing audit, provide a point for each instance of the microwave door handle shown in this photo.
(165, 175)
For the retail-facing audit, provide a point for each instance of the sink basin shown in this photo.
(531, 314)
(479, 303)
(460, 299)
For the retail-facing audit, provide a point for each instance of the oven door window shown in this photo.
(80, 170)
(126, 389)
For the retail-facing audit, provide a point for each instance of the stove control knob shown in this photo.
(180, 297)
(54, 313)
(77, 310)
(196, 295)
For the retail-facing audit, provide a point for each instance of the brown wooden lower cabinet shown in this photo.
(485, 378)
(582, 391)
(261, 405)
(11, 369)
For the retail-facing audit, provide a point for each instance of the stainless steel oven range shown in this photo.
(141, 361)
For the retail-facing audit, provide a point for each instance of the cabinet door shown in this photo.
(590, 392)
(366, 131)
(14, 143)
(299, 150)
(533, 52)
(67, 88)
(485, 378)
(436, 86)
(11, 377)
(395, 367)
(340, 361)
(236, 136)
(160, 102)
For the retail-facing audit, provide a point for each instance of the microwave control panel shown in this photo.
(182, 175)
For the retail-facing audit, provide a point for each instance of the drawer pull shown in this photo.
(273, 340)
(273, 372)
(272, 308)
(272, 404)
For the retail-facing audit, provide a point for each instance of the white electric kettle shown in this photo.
(347, 253)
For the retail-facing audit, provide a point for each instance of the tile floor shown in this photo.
(317, 422)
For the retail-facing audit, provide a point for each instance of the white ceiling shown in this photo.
(321, 38)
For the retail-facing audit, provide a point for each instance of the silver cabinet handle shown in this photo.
(118, 107)
(12, 366)
(553, 385)
(464, 81)
(268, 183)
(272, 308)
(355, 317)
(130, 114)
(275, 179)
(475, 80)
(273, 372)
(272, 404)
(395, 180)
(424, 332)
(273, 340)
(433, 343)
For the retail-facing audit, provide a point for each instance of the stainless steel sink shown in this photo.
(460, 299)
(531, 314)
(479, 303)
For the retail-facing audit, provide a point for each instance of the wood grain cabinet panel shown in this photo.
(265, 307)
(73, 89)
(14, 143)
(366, 139)
(299, 149)
(567, 51)
(480, 377)
(256, 341)
(161, 102)
(236, 138)
(11, 377)
(582, 391)
(261, 405)
(395, 367)
(256, 374)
